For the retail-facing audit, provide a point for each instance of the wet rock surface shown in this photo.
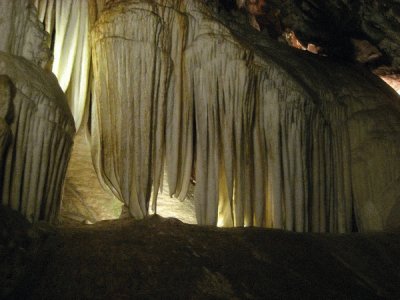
(164, 258)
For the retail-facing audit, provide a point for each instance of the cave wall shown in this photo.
(273, 137)
(332, 24)
(282, 139)
(38, 127)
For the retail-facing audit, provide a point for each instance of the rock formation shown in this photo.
(272, 136)
(279, 138)
(39, 122)
(333, 24)
(365, 32)
(159, 258)
(5, 117)
(69, 21)
(23, 34)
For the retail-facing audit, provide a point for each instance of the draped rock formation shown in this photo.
(69, 20)
(22, 33)
(278, 138)
(34, 115)
(5, 117)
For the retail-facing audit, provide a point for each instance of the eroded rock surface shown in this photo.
(333, 23)
(283, 139)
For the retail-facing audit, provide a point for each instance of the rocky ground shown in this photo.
(165, 258)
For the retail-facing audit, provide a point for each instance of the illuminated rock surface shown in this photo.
(42, 132)
(283, 139)
(36, 124)
(84, 199)
(69, 20)
(165, 259)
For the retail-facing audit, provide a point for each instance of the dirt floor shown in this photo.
(160, 258)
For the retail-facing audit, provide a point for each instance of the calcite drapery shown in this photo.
(69, 20)
(37, 125)
(281, 137)
(22, 33)
(5, 117)
(129, 147)
(42, 132)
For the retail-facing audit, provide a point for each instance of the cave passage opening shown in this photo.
(86, 200)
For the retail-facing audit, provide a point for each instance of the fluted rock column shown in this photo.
(42, 131)
(141, 116)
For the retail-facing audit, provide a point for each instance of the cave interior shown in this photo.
(200, 149)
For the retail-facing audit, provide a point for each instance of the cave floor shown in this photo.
(165, 258)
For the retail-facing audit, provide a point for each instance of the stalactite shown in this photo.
(277, 140)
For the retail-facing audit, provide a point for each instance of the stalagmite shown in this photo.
(39, 122)
(279, 138)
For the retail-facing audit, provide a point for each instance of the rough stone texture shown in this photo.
(361, 31)
(333, 23)
(283, 139)
(42, 134)
(161, 258)
(22, 32)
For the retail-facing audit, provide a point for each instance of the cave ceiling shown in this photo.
(365, 32)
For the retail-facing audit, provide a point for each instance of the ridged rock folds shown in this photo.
(36, 125)
(278, 138)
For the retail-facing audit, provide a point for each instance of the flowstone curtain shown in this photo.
(67, 22)
(276, 136)
(278, 139)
